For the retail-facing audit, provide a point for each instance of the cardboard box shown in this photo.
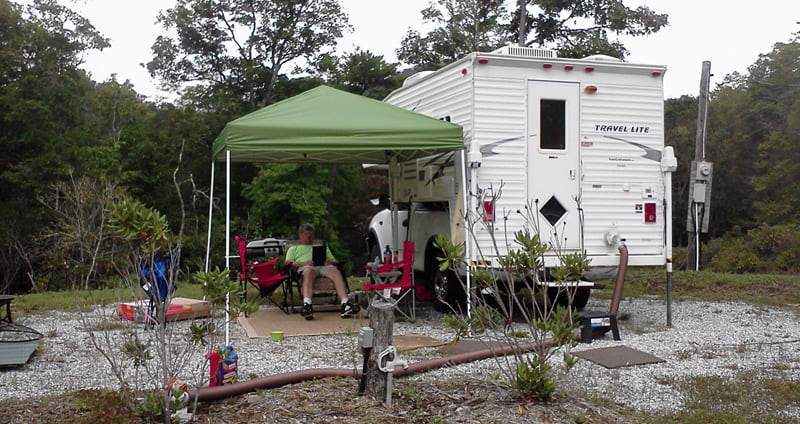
(180, 308)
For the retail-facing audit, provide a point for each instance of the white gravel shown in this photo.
(706, 339)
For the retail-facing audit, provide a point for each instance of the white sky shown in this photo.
(720, 31)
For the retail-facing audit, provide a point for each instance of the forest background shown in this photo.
(72, 146)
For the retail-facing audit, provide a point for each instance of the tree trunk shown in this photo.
(381, 319)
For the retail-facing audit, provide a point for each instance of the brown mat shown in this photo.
(406, 342)
(618, 356)
(267, 320)
(468, 345)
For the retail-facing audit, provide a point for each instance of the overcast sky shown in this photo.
(720, 31)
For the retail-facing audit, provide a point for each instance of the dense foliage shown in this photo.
(72, 146)
(573, 28)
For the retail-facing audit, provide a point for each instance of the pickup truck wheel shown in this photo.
(374, 252)
(448, 294)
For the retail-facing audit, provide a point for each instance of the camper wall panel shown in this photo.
(622, 137)
(446, 94)
(499, 128)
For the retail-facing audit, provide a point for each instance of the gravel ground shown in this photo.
(706, 339)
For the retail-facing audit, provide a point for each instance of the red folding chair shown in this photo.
(394, 282)
(265, 276)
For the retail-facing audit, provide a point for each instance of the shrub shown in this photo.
(767, 249)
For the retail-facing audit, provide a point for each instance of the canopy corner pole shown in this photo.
(393, 180)
(210, 216)
(470, 185)
(227, 242)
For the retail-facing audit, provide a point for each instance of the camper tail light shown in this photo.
(656, 73)
(488, 211)
(649, 212)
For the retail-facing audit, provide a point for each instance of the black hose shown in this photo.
(362, 386)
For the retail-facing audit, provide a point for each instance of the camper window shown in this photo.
(553, 124)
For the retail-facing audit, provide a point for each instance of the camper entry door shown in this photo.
(554, 161)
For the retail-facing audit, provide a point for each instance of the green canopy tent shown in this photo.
(325, 125)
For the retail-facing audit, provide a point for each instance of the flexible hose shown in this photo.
(277, 380)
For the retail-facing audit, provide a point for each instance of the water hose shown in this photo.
(277, 380)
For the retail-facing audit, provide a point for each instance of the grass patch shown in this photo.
(76, 300)
(758, 289)
(749, 397)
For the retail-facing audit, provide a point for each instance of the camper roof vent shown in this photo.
(602, 58)
(526, 52)
(413, 79)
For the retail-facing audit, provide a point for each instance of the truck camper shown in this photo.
(577, 143)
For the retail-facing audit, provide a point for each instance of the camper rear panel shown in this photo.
(584, 161)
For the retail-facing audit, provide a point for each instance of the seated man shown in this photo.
(300, 257)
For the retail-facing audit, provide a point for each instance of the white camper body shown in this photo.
(579, 140)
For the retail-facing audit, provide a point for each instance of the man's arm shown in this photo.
(329, 258)
(289, 256)
(292, 256)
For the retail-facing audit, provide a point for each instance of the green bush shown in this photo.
(763, 249)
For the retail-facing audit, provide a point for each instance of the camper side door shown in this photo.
(554, 161)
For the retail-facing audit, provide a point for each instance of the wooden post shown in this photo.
(381, 319)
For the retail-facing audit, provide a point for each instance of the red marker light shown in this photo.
(568, 67)
(483, 61)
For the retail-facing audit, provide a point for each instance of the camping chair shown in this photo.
(323, 286)
(156, 284)
(596, 323)
(394, 282)
(265, 276)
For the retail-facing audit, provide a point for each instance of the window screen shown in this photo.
(552, 121)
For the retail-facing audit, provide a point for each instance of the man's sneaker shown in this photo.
(348, 310)
(307, 311)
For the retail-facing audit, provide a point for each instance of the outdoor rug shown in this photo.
(411, 341)
(618, 356)
(469, 345)
(267, 320)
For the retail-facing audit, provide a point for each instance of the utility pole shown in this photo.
(699, 179)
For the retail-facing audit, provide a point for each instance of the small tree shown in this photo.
(512, 293)
(76, 243)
